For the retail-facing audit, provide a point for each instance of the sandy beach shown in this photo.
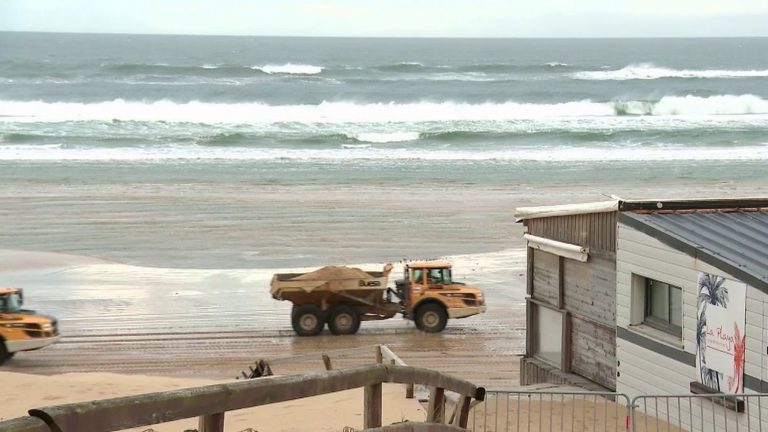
(322, 413)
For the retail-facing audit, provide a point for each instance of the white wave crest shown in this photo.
(366, 153)
(648, 71)
(349, 112)
(386, 137)
(290, 69)
(697, 106)
(259, 113)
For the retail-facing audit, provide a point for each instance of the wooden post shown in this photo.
(530, 327)
(566, 343)
(211, 423)
(409, 391)
(529, 271)
(327, 361)
(436, 410)
(372, 406)
(462, 412)
(560, 282)
(379, 358)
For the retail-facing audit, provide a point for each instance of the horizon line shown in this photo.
(378, 37)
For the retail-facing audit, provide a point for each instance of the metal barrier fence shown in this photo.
(504, 411)
(700, 413)
(535, 411)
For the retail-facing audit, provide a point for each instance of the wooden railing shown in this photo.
(384, 355)
(210, 403)
(24, 424)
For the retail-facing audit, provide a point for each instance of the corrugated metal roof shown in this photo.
(733, 240)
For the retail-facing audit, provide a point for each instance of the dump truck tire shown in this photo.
(343, 320)
(4, 354)
(431, 318)
(307, 320)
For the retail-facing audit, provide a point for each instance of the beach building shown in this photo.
(691, 297)
(648, 297)
(571, 286)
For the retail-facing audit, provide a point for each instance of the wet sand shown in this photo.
(181, 288)
(215, 323)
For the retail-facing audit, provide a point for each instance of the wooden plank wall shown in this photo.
(593, 351)
(546, 276)
(596, 231)
(590, 289)
(590, 298)
(586, 290)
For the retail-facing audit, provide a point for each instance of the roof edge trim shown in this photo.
(693, 203)
(523, 213)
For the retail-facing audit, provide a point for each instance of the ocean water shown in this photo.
(108, 116)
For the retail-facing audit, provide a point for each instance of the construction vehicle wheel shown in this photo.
(343, 320)
(431, 318)
(4, 354)
(307, 320)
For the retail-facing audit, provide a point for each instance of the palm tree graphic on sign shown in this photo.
(712, 291)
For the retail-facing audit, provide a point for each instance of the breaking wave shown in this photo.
(648, 71)
(350, 112)
(290, 69)
(386, 137)
(695, 106)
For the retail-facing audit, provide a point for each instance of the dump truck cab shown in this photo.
(430, 296)
(21, 329)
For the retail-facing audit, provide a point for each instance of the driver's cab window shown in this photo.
(418, 276)
(10, 303)
(436, 276)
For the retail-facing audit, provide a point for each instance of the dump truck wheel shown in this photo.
(307, 320)
(343, 320)
(4, 354)
(431, 318)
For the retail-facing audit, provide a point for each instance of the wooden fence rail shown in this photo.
(210, 403)
(384, 355)
(24, 424)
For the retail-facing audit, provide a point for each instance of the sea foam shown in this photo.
(367, 153)
(386, 137)
(290, 69)
(648, 71)
(350, 112)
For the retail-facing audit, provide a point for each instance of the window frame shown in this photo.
(563, 334)
(655, 322)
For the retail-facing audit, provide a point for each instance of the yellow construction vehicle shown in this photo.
(342, 297)
(21, 329)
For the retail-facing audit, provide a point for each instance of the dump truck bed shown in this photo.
(291, 286)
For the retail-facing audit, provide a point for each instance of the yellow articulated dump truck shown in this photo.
(342, 297)
(20, 329)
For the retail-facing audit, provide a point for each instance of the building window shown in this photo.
(548, 336)
(664, 307)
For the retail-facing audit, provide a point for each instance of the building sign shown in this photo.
(720, 338)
